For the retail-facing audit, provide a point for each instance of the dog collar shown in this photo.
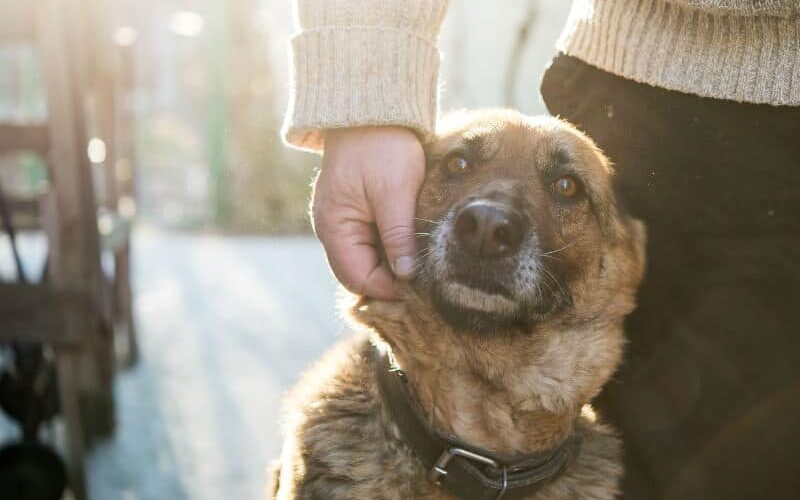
(465, 471)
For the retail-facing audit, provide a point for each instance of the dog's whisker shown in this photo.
(539, 289)
(557, 283)
(576, 240)
(419, 258)
(545, 283)
(558, 259)
(419, 266)
(419, 263)
(430, 223)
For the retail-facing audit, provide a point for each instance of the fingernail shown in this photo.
(404, 266)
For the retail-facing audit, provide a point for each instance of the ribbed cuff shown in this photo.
(753, 59)
(345, 77)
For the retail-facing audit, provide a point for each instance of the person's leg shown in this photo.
(708, 397)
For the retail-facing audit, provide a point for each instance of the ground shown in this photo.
(226, 325)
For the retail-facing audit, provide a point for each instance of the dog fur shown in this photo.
(511, 374)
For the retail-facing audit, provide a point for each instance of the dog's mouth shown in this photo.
(475, 294)
(477, 300)
(466, 280)
(473, 309)
(473, 304)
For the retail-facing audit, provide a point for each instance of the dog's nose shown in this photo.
(488, 231)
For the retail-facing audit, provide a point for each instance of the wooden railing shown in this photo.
(79, 309)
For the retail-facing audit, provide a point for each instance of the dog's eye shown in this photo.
(456, 165)
(567, 187)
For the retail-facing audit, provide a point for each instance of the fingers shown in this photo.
(369, 176)
(394, 215)
(355, 261)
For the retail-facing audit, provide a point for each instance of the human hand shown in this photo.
(370, 176)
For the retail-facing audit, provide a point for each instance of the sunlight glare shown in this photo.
(588, 413)
(105, 224)
(96, 150)
(186, 23)
(125, 36)
(126, 206)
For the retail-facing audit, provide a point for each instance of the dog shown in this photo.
(476, 384)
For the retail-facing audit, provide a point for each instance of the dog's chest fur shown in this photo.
(344, 445)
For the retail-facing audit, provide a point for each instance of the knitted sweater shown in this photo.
(375, 62)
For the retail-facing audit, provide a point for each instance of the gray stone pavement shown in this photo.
(226, 325)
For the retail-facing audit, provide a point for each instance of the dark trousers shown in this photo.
(708, 398)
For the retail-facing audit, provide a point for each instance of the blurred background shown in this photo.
(160, 287)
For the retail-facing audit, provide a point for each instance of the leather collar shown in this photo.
(465, 471)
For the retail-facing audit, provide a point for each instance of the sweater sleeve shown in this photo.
(362, 62)
(778, 8)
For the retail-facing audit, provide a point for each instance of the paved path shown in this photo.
(226, 324)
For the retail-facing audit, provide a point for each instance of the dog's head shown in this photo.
(527, 265)
(518, 225)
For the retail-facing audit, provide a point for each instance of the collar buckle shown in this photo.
(439, 469)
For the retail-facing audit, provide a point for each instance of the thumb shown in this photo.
(394, 215)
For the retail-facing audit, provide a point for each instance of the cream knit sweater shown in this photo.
(375, 62)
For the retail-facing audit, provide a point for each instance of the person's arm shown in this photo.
(363, 62)
(364, 92)
(780, 8)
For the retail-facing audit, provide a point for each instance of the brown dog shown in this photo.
(476, 383)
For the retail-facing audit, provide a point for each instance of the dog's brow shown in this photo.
(560, 157)
(480, 144)
(556, 160)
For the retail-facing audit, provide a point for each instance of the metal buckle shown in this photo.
(439, 469)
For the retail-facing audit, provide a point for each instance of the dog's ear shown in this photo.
(638, 232)
(632, 249)
(610, 213)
